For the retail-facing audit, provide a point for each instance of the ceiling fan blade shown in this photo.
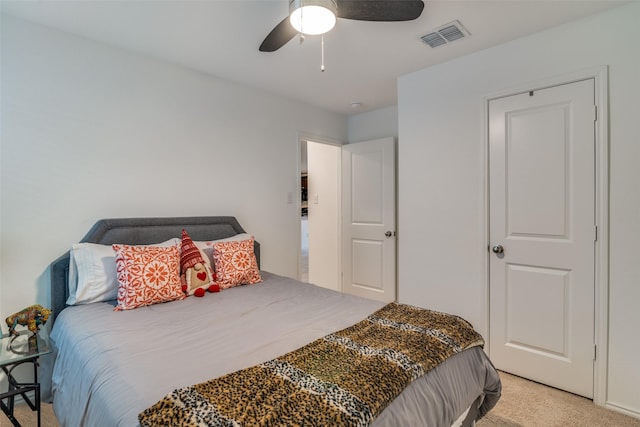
(279, 36)
(380, 10)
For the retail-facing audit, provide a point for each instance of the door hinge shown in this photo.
(595, 113)
(595, 233)
(595, 352)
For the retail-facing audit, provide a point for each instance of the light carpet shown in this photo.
(528, 404)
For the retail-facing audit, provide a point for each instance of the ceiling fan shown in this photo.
(302, 21)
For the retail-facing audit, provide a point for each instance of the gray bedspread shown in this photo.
(109, 366)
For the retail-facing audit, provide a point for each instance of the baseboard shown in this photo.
(623, 410)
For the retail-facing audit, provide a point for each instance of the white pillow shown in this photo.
(206, 248)
(92, 272)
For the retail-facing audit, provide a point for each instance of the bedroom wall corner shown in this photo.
(90, 131)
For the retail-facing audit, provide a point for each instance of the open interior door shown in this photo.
(369, 219)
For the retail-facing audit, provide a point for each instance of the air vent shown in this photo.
(445, 34)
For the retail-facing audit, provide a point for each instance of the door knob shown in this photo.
(497, 249)
(388, 234)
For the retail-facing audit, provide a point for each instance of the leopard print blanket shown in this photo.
(344, 379)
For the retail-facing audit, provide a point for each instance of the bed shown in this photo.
(109, 366)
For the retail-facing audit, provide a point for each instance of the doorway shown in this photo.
(320, 215)
(348, 211)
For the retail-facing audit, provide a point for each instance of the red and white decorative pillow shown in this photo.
(147, 275)
(206, 247)
(235, 263)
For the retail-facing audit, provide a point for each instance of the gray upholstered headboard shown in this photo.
(141, 231)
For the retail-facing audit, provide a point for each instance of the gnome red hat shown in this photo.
(190, 253)
(197, 275)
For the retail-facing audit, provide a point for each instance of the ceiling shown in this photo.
(362, 59)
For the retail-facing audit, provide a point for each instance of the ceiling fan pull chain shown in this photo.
(322, 48)
(301, 23)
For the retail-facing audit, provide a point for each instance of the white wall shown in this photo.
(441, 173)
(323, 191)
(90, 132)
(374, 124)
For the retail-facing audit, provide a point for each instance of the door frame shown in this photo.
(302, 137)
(600, 76)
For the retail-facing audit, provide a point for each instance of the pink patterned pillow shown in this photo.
(147, 275)
(235, 263)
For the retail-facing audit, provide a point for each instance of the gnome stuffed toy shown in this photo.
(197, 275)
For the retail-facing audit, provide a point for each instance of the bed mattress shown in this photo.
(109, 366)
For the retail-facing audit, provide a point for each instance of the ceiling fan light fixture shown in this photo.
(313, 17)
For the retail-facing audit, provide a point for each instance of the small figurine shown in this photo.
(197, 275)
(32, 317)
